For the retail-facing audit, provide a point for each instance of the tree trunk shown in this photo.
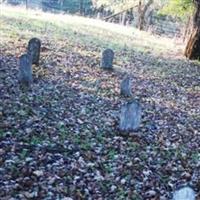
(81, 7)
(142, 12)
(192, 50)
(123, 20)
(61, 3)
(139, 23)
(26, 4)
(187, 29)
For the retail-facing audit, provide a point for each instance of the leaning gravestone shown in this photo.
(130, 116)
(125, 87)
(25, 70)
(185, 193)
(107, 59)
(34, 50)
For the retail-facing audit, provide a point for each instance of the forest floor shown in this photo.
(60, 138)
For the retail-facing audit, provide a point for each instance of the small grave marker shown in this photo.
(130, 116)
(25, 70)
(107, 59)
(34, 46)
(125, 87)
(184, 193)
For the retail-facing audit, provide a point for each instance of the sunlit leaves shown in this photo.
(180, 8)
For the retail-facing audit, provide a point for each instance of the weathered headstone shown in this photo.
(130, 116)
(125, 87)
(185, 193)
(34, 50)
(107, 59)
(25, 70)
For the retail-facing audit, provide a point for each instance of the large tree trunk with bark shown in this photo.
(187, 29)
(192, 50)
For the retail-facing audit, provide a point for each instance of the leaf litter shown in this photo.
(60, 139)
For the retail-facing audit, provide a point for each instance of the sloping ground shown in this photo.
(60, 139)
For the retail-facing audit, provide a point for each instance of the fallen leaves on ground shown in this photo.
(60, 138)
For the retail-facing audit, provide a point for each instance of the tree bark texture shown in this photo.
(142, 12)
(192, 50)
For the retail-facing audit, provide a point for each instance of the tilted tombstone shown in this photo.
(130, 116)
(34, 50)
(125, 87)
(107, 59)
(184, 193)
(25, 70)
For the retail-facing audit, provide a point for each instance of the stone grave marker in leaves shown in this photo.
(184, 193)
(34, 46)
(25, 70)
(130, 116)
(125, 87)
(107, 59)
